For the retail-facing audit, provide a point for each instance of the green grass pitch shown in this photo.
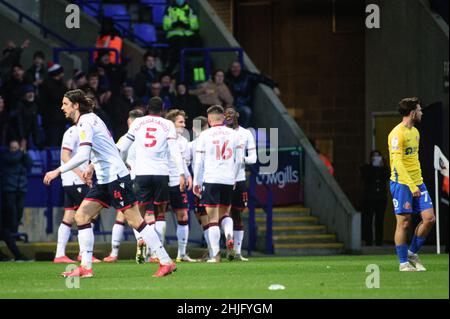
(303, 278)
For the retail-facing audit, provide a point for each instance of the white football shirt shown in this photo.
(218, 156)
(155, 139)
(174, 176)
(247, 141)
(105, 156)
(70, 143)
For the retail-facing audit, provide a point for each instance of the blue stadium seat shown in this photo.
(92, 8)
(158, 11)
(110, 10)
(145, 31)
(152, 2)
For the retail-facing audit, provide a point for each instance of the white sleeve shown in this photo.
(251, 149)
(238, 157)
(174, 149)
(199, 161)
(80, 157)
(125, 142)
(69, 141)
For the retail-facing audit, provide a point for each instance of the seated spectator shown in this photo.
(111, 75)
(146, 75)
(51, 94)
(93, 84)
(15, 164)
(188, 103)
(215, 91)
(119, 107)
(242, 84)
(36, 73)
(109, 38)
(13, 87)
(27, 118)
(156, 91)
(11, 56)
(167, 90)
(181, 26)
(78, 80)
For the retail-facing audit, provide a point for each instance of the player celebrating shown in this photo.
(217, 165)
(155, 139)
(75, 189)
(240, 195)
(199, 124)
(178, 200)
(410, 196)
(113, 187)
(119, 224)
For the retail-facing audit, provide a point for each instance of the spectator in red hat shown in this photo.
(51, 95)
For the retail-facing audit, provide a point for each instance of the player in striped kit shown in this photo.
(75, 189)
(114, 185)
(119, 224)
(217, 165)
(240, 195)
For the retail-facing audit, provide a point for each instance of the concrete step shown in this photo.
(294, 230)
(316, 249)
(289, 221)
(287, 210)
(303, 239)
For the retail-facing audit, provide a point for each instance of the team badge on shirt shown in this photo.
(82, 135)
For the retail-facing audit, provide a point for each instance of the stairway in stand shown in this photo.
(295, 232)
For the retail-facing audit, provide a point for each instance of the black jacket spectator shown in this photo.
(115, 74)
(13, 87)
(189, 103)
(15, 166)
(144, 79)
(51, 95)
(243, 86)
(27, 118)
(118, 108)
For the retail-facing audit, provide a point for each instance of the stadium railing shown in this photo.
(90, 51)
(208, 59)
(43, 29)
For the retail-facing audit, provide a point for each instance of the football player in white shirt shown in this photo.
(119, 224)
(179, 200)
(75, 189)
(217, 165)
(156, 140)
(199, 124)
(114, 186)
(240, 194)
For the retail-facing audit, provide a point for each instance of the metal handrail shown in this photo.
(44, 30)
(208, 52)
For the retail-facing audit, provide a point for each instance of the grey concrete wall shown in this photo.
(19, 32)
(322, 194)
(52, 13)
(405, 57)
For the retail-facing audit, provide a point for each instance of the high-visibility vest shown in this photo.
(183, 14)
(445, 185)
(107, 42)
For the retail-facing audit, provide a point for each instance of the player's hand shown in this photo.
(88, 173)
(51, 176)
(182, 183)
(417, 193)
(197, 190)
(189, 183)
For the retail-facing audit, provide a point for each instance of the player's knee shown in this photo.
(82, 218)
(404, 225)
(430, 220)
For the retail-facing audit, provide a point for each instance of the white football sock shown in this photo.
(214, 238)
(227, 226)
(160, 227)
(151, 239)
(116, 238)
(137, 235)
(206, 235)
(182, 235)
(86, 242)
(63, 237)
(238, 237)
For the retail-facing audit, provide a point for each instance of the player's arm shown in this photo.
(176, 156)
(66, 156)
(238, 159)
(124, 144)
(251, 149)
(397, 151)
(199, 165)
